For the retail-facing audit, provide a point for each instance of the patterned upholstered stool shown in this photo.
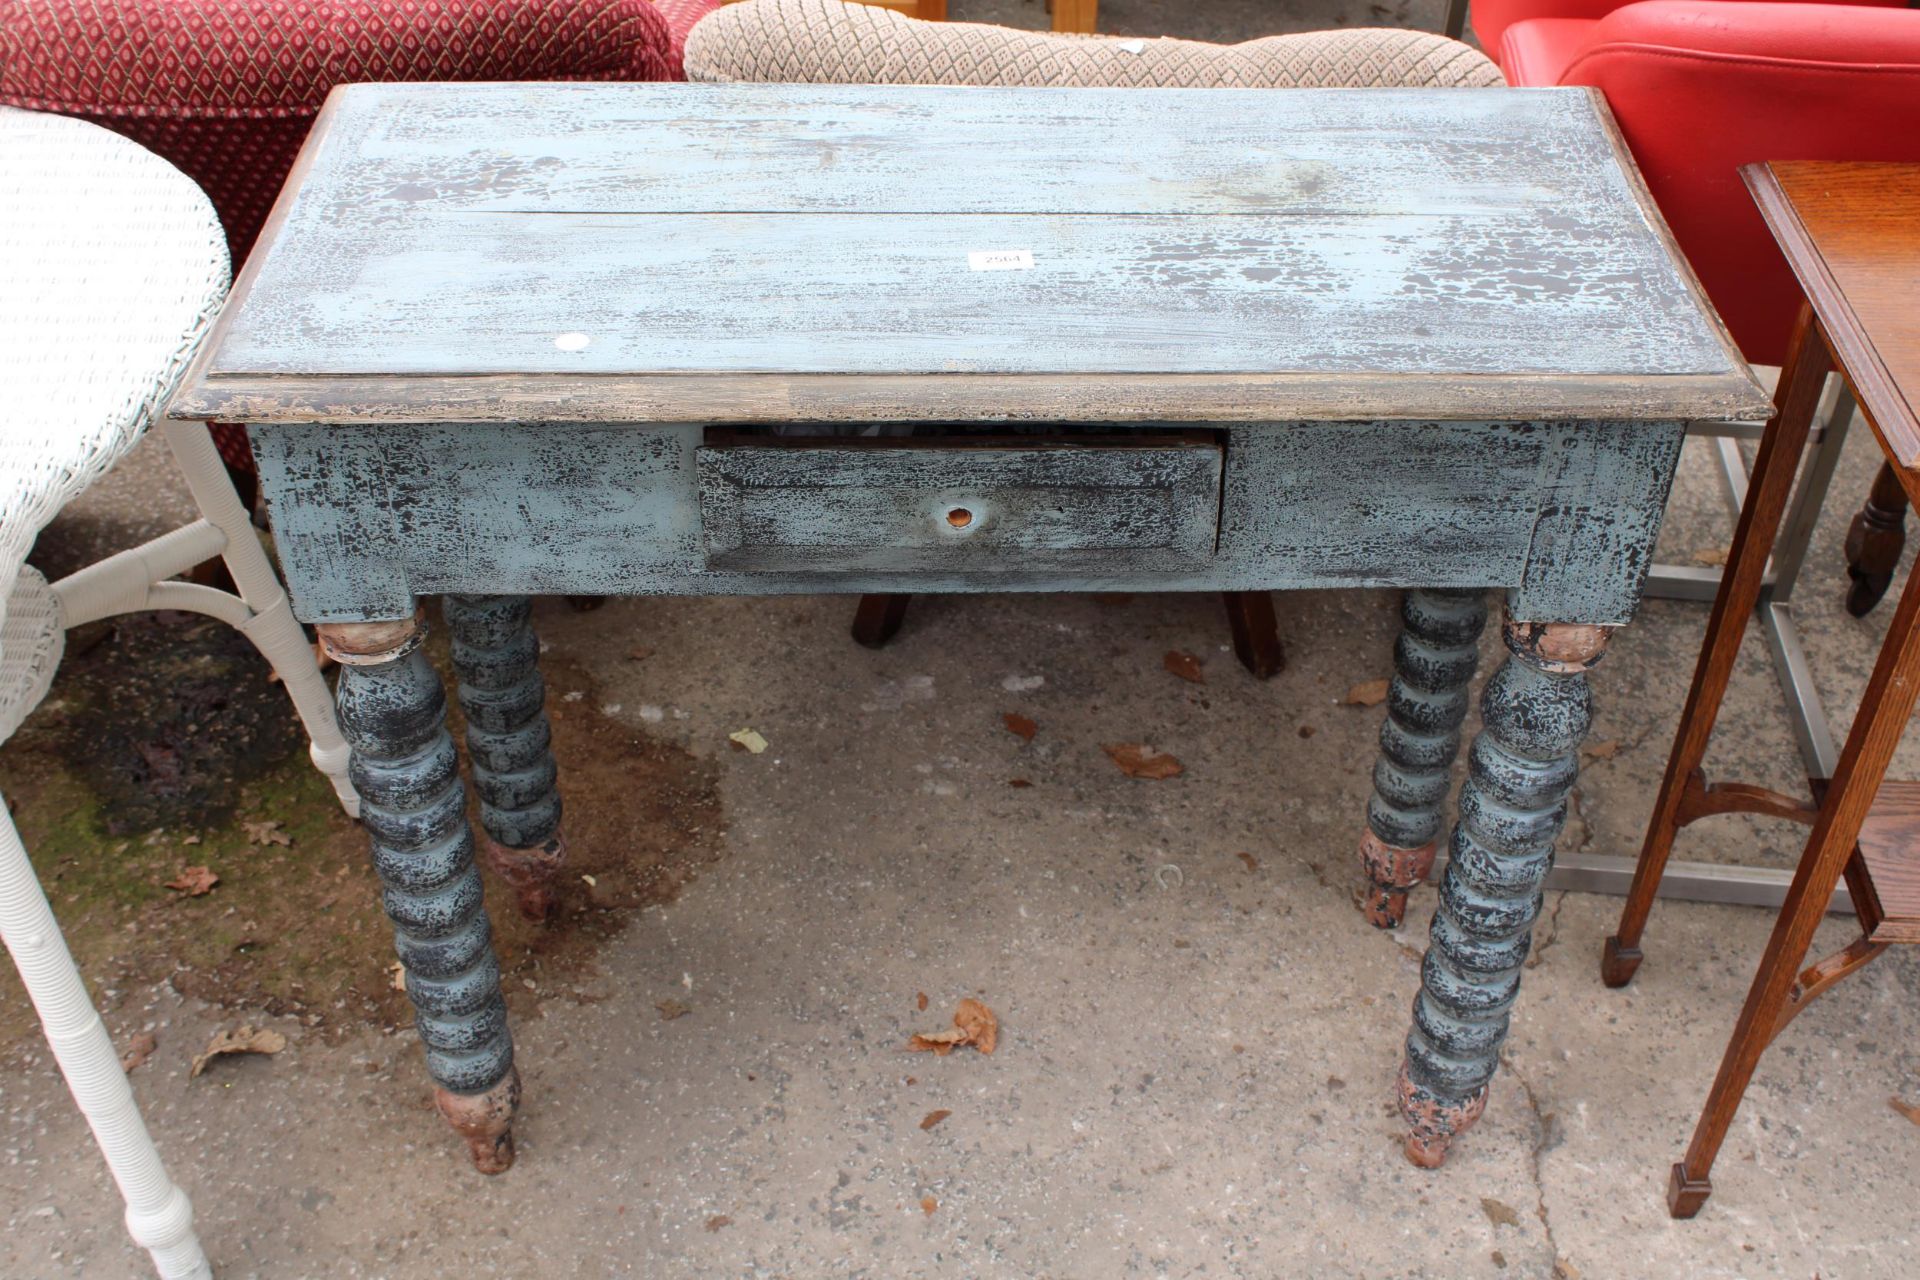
(832, 42)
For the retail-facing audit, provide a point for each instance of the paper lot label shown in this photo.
(1000, 260)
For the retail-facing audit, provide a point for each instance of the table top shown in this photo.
(1851, 232)
(677, 252)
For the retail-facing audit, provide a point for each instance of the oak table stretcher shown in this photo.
(631, 339)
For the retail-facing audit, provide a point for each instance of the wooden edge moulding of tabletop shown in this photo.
(1851, 232)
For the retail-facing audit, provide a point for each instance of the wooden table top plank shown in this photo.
(748, 148)
(1851, 232)
(582, 240)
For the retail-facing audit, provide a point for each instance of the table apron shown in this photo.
(1563, 514)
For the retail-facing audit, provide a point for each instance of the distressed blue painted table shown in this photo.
(653, 339)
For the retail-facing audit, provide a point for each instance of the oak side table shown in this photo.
(747, 339)
(1851, 233)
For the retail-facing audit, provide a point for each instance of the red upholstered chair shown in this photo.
(225, 89)
(1701, 87)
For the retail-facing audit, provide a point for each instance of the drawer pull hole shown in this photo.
(959, 517)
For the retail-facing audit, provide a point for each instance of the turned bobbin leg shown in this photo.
(496, 656)
(393, 712)
(1433, 663)
(1536, 710)
(1875, 540)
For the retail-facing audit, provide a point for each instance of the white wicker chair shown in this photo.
(111, 264)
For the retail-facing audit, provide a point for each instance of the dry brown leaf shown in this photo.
(238, 1040)
(1905, 1108)
(718, 1221)
(1606, 750)
(928, 1204)
(1185, 665)
(920, 1000)
(1253, 863)
(671, 1009)
(1711, 555)
(266, 833)
(973, 1023)
(940, 1042)
(1018, 782)
(1368, 693)
(982, 1028)
(934, 1118)
(1020, 727)
(1138, 760)
(140, 1047)
(194, 882)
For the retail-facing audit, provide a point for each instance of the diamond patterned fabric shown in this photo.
(832, 42)
(225, 89)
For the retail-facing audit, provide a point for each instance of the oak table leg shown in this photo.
(879, 616)
(1433, 663)
(1796, 400)
(1536, 710)
(496, 656)
(1875, 540)
(1884, 710)
(393, 713)
(1256, 632)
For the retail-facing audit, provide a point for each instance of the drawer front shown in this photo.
(1001, 508)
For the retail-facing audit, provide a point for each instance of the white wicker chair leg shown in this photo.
(159, 1217)
(273, 629)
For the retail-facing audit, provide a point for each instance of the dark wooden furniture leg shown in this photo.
(496, 655)
(1875, 540)
(1884, 710)
(1684, 794)
(1256, 632)
(393, 712)
(1535, 711)
(878, 618)
(1433, 663)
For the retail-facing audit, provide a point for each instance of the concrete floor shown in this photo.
(1195, 1070)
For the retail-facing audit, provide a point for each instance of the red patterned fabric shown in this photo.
(225, 89)
(680, 16)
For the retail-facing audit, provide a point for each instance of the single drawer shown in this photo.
(1000, 505)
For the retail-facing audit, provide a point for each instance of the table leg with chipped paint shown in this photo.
(1433, 663)
(393, 711)
(1535, 712)
(509, 743)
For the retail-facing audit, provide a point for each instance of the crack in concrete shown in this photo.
(1542, 945)
(1536, 1151)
